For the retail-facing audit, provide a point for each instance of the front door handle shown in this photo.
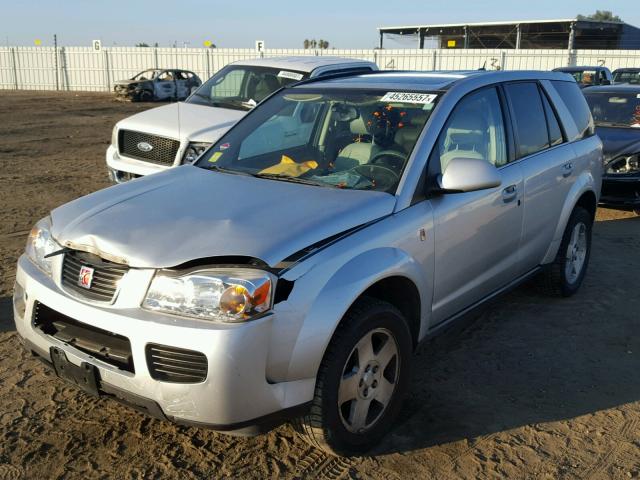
(567, 169)
(509, 193)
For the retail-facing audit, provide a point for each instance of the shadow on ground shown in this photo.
(6, 315)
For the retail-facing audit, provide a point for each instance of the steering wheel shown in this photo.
(383, 178)
(398, 158)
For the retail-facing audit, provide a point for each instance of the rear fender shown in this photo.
(584, 183)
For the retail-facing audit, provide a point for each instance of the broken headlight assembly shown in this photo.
(40, 243)
(193, 151)
(624, 165)
(219, 295)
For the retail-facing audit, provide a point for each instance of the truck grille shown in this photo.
(170, 364)
(163, 150)
(105, 276)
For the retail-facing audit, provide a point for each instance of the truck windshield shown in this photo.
(243, 87)
(355, 139)
(615, 109)
(631, 77)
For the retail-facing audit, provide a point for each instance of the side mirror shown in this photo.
(605, 82)
(469, 175)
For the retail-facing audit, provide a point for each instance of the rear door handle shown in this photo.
(509, 193)
(567, 169)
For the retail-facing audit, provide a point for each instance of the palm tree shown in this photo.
(306, 43)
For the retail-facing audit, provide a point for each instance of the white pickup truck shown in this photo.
(178, 133)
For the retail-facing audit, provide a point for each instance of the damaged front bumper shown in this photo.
(233, 395)
(621, 192)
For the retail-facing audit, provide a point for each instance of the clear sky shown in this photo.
(280, 23)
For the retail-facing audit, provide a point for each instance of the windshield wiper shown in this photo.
(218, 168)
(237, 104)
(287, 178)
(612, 124)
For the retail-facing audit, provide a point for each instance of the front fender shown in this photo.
(337, 294)
(586, 182)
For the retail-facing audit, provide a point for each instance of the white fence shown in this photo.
(81, 68)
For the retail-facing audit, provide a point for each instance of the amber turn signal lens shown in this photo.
(235, 299)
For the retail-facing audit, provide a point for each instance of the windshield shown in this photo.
(615, 108)
(243, 87)
(333, 138)
(627, 77)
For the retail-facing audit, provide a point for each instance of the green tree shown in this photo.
(601, 16)
(306, 43)
(142, 44)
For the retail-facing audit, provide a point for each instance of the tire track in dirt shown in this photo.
(318, 465)
(604, 461)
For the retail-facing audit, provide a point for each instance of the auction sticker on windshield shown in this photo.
(408, 97)
(291, 75)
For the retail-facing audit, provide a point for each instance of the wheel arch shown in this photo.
(582, 194)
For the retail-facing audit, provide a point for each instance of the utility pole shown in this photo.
(55, 59)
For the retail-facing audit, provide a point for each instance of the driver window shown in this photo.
(475, 130)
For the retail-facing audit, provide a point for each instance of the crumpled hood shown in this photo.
(619, 141)
(199, 123)
(188, 213)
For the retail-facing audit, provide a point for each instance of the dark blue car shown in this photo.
(616, 112)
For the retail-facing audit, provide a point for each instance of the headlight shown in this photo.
(114, 136)
(40, 244)
(193, 151)
(214, 294)
(623, 165)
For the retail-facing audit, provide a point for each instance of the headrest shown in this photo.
(358, 127)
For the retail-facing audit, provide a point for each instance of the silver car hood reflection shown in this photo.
(189, 213)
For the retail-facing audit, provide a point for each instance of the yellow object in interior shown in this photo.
(288, 166)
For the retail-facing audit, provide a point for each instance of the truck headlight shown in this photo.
(193, 151)
(114, 137)
(40, 244)
(624, 165)
(223, 295)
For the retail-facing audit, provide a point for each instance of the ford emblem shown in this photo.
(145, 147)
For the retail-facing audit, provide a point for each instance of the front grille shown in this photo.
(106, 275)
(163, 149)
(170, 364)
(109, 347)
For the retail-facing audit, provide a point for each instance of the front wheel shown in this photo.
(362, 380)
(565, 275)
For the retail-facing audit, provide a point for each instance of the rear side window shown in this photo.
(530, 120)
(577, 106)
(555, 132)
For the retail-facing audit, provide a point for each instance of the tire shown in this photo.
(565, 275)
(378, 378)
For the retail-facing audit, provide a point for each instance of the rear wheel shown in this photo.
(362, 380)
(565, 275)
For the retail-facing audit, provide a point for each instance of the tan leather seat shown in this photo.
(357, 153)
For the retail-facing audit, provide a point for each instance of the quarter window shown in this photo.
(475, 130)
(577, 106)
(530, 121)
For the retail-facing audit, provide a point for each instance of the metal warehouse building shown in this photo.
(530, 34)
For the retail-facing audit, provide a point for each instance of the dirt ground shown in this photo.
(535, 388)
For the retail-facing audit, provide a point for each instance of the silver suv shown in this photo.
(267, 283)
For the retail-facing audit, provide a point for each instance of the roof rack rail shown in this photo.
(347, 74)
